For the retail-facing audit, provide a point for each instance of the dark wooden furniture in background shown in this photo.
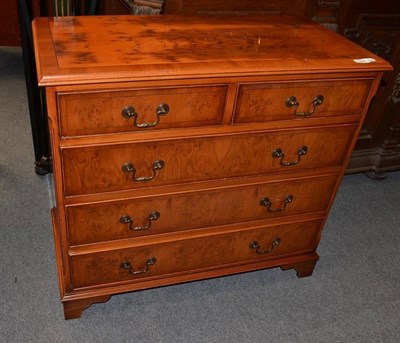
(9, 18)
(375, 25)
(27, 10)
(36, 102)
(132, 6)
(9, 27)
(195, 147)
(9, 33)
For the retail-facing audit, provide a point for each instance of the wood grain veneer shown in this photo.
(101, 112)
(245, 183)
(90, 223)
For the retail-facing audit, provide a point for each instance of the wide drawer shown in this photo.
(144, 164)
(193, 254)
(140, 109)
(182, 211)
(309, 99)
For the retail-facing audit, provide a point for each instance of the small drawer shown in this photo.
(193, 254)
(140, 109)
(109, 168)
(308, 99)
(159, 214)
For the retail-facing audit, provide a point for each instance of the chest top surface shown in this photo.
(120, 48)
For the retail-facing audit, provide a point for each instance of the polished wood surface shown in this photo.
(101, 112)
(68, 49)
(73, 309)
(192, 210)
(245, 183)
(267, 102)
(99, 169)
(193, 254)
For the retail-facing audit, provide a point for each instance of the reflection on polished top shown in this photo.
(95, 49)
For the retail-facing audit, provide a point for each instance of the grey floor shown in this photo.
(353, 295)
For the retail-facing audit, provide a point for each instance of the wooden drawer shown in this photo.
(269, 101)
(105, 111)
(193, 254)
(100, 168)
(190, 210)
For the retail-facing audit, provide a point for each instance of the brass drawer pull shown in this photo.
(267, 202)
(292, 102)
(129, 112)
(127, 265)
(128, 167)
(128, 220)
(254, 245)
(278, 153)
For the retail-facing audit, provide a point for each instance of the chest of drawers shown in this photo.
(190, 148)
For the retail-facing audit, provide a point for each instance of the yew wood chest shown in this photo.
(187, 148)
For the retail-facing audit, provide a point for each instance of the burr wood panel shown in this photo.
(104, 221)
(101, 168)
(287, 101)
(108, 111)
(193, 254)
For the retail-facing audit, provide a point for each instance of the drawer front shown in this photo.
(160, 214)
(193, 254)
(128, 166)
(288, 101)
(139, 110)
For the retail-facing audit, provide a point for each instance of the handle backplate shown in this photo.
(292, 102)
(129, 112)
(278, 153)
(126, 219)
(128, 167)
(128, 266)
(255, 246)
(267, 203)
